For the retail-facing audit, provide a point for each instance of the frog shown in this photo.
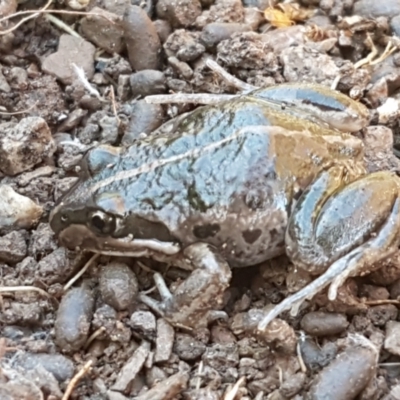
(232, 185)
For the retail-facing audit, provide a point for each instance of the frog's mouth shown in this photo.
(80, 237)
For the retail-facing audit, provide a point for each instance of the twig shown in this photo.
(231, 394)
(93, 336)
(74, 381)
(194, 98)
(80, 73)
(23, 20)
(81, 272)
(6, 289)
(232, 80)
(62, 25)
(114, 104)
(19, 112)
(36, 13)
(380, 302)
(45, 11)
(370, 56)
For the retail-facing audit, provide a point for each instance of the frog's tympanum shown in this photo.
(235, 184)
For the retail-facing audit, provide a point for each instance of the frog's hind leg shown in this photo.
(344, 232)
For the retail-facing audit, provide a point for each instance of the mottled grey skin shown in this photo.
(234, 184)
(236, 196)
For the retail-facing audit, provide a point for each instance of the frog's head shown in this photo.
(94, 216)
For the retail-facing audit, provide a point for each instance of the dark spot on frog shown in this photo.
(206, 231)
(250, 236)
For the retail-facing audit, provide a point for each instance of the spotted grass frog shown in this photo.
(233, 185)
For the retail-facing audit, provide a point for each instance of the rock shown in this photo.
(144, 119)
(105, 32)
(392, 340)
(169, 389)
(247, 50)
(222, 11)
(316, 357)
(188, 348)
(164, 341)
(142, 41)
(163, 29)
(300, 62)
(24, 145)
(17, 211)
(324, 324)
(118, 286)
(216, 32)
(179, 13)
(184, 45)
(346, 376)
(395, 25)
(131, 368)
(144, 322)
(56, 266)
(71, 50)
(147, 82)
(374, 9)
(13, 247)
(73, 319)
(60, 366)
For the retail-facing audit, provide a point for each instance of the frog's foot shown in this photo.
(197, 299)
(357, 226)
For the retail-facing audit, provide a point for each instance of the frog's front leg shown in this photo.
(342, 230)
(194, 301)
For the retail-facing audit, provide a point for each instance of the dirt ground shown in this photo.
(76, 75)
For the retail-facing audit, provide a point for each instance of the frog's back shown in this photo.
(224, 178)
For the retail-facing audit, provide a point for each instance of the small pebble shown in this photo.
(71, 50)
(381, 314)
(147, 82)
(187, 348)
(118, 286)
(24, 145)
(395, 25)
(221, 356)
(56, 267)
(60, 366)
(144, 119)
(73, 319)
(216, 32)
(104, 30)
(144, 322)
(392, 339)
(179, 13)
(181, 68)
(324, 324)
(109, 129)
(346, 376)
(316, 357)
(13, 247)
(184, 45)
(293, 385)
(169, 389)
(373, 8)
(155, 375)
(164, 341)
(17, 211)
(163, 29)
(131, 368)
(142, 41)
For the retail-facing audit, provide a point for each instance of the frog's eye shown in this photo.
(102, 223)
